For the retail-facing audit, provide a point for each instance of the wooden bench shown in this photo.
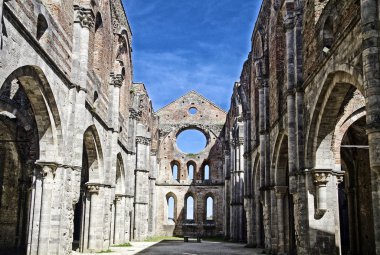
(186, 238)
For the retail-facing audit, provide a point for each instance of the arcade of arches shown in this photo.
(293, 167)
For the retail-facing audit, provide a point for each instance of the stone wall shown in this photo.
(173, 119)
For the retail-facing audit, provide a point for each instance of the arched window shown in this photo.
(175, 172)
(206, 172)
(190, 208)
(328, 33)
(171, 207)
(42, 26)
(190, 171)
(98, 64)
(210, 208)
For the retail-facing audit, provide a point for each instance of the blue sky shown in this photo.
(182, 45)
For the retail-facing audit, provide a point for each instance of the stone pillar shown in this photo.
(93, 191)
(116, 82)
(141, 203)
(371, 70)
(47, 174)
(240, 179)
(119, 220)
(321, 177)
(259, 219)
(227, 191)
(83, 23)
(280, 194)
(1, 23)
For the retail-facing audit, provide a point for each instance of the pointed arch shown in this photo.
(92, 155)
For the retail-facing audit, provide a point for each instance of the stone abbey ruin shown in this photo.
(293, 167)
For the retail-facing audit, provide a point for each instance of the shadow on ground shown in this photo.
(177, 247)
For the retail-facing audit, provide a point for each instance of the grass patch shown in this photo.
(106, 251)
(123, 245)
(161, 238)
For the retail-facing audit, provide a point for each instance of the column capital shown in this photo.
(280, 191)
(47, 169)
(143, 140)
(84, 16)
(93, 188)
(321, 176)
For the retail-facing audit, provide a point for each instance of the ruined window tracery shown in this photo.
(171, 206)
(190, 171)
(175, 173)
(209, 208)
(190, 208)
(206, 173)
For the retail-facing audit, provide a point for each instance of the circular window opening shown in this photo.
(193, 110)
(191, 141)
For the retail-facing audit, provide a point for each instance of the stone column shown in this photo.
(259, 219)
(1, 23)
(280, 194)
(47, 174)
(83, 23)
(371, 70)
(227, 193)
(116, 83)
(141, 203)
(119, 220)
(240, 202)
(321, 177)
(93, 191)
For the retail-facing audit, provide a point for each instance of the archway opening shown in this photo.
(355, 193)
(191, 141)
(190, 208)
(91, 164)
(209, 208)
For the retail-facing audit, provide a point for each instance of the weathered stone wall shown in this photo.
(173, 119)
(308, 98)
(74, 150)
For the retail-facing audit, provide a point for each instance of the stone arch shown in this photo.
(194, 166)
(175, 165)
(258, 46)
(190, 206)
(175, 215)
(32, 81)
(352, 113)
(120, 176)
(280, 161)
(206, 206)
(93, 155)
(30, 133)
(338, 84)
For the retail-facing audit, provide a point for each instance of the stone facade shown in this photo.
(305, 113)
(293, 166)
(75, 131)
(173, 119)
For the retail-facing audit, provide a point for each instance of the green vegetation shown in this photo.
(161, 238)
(123, 245)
